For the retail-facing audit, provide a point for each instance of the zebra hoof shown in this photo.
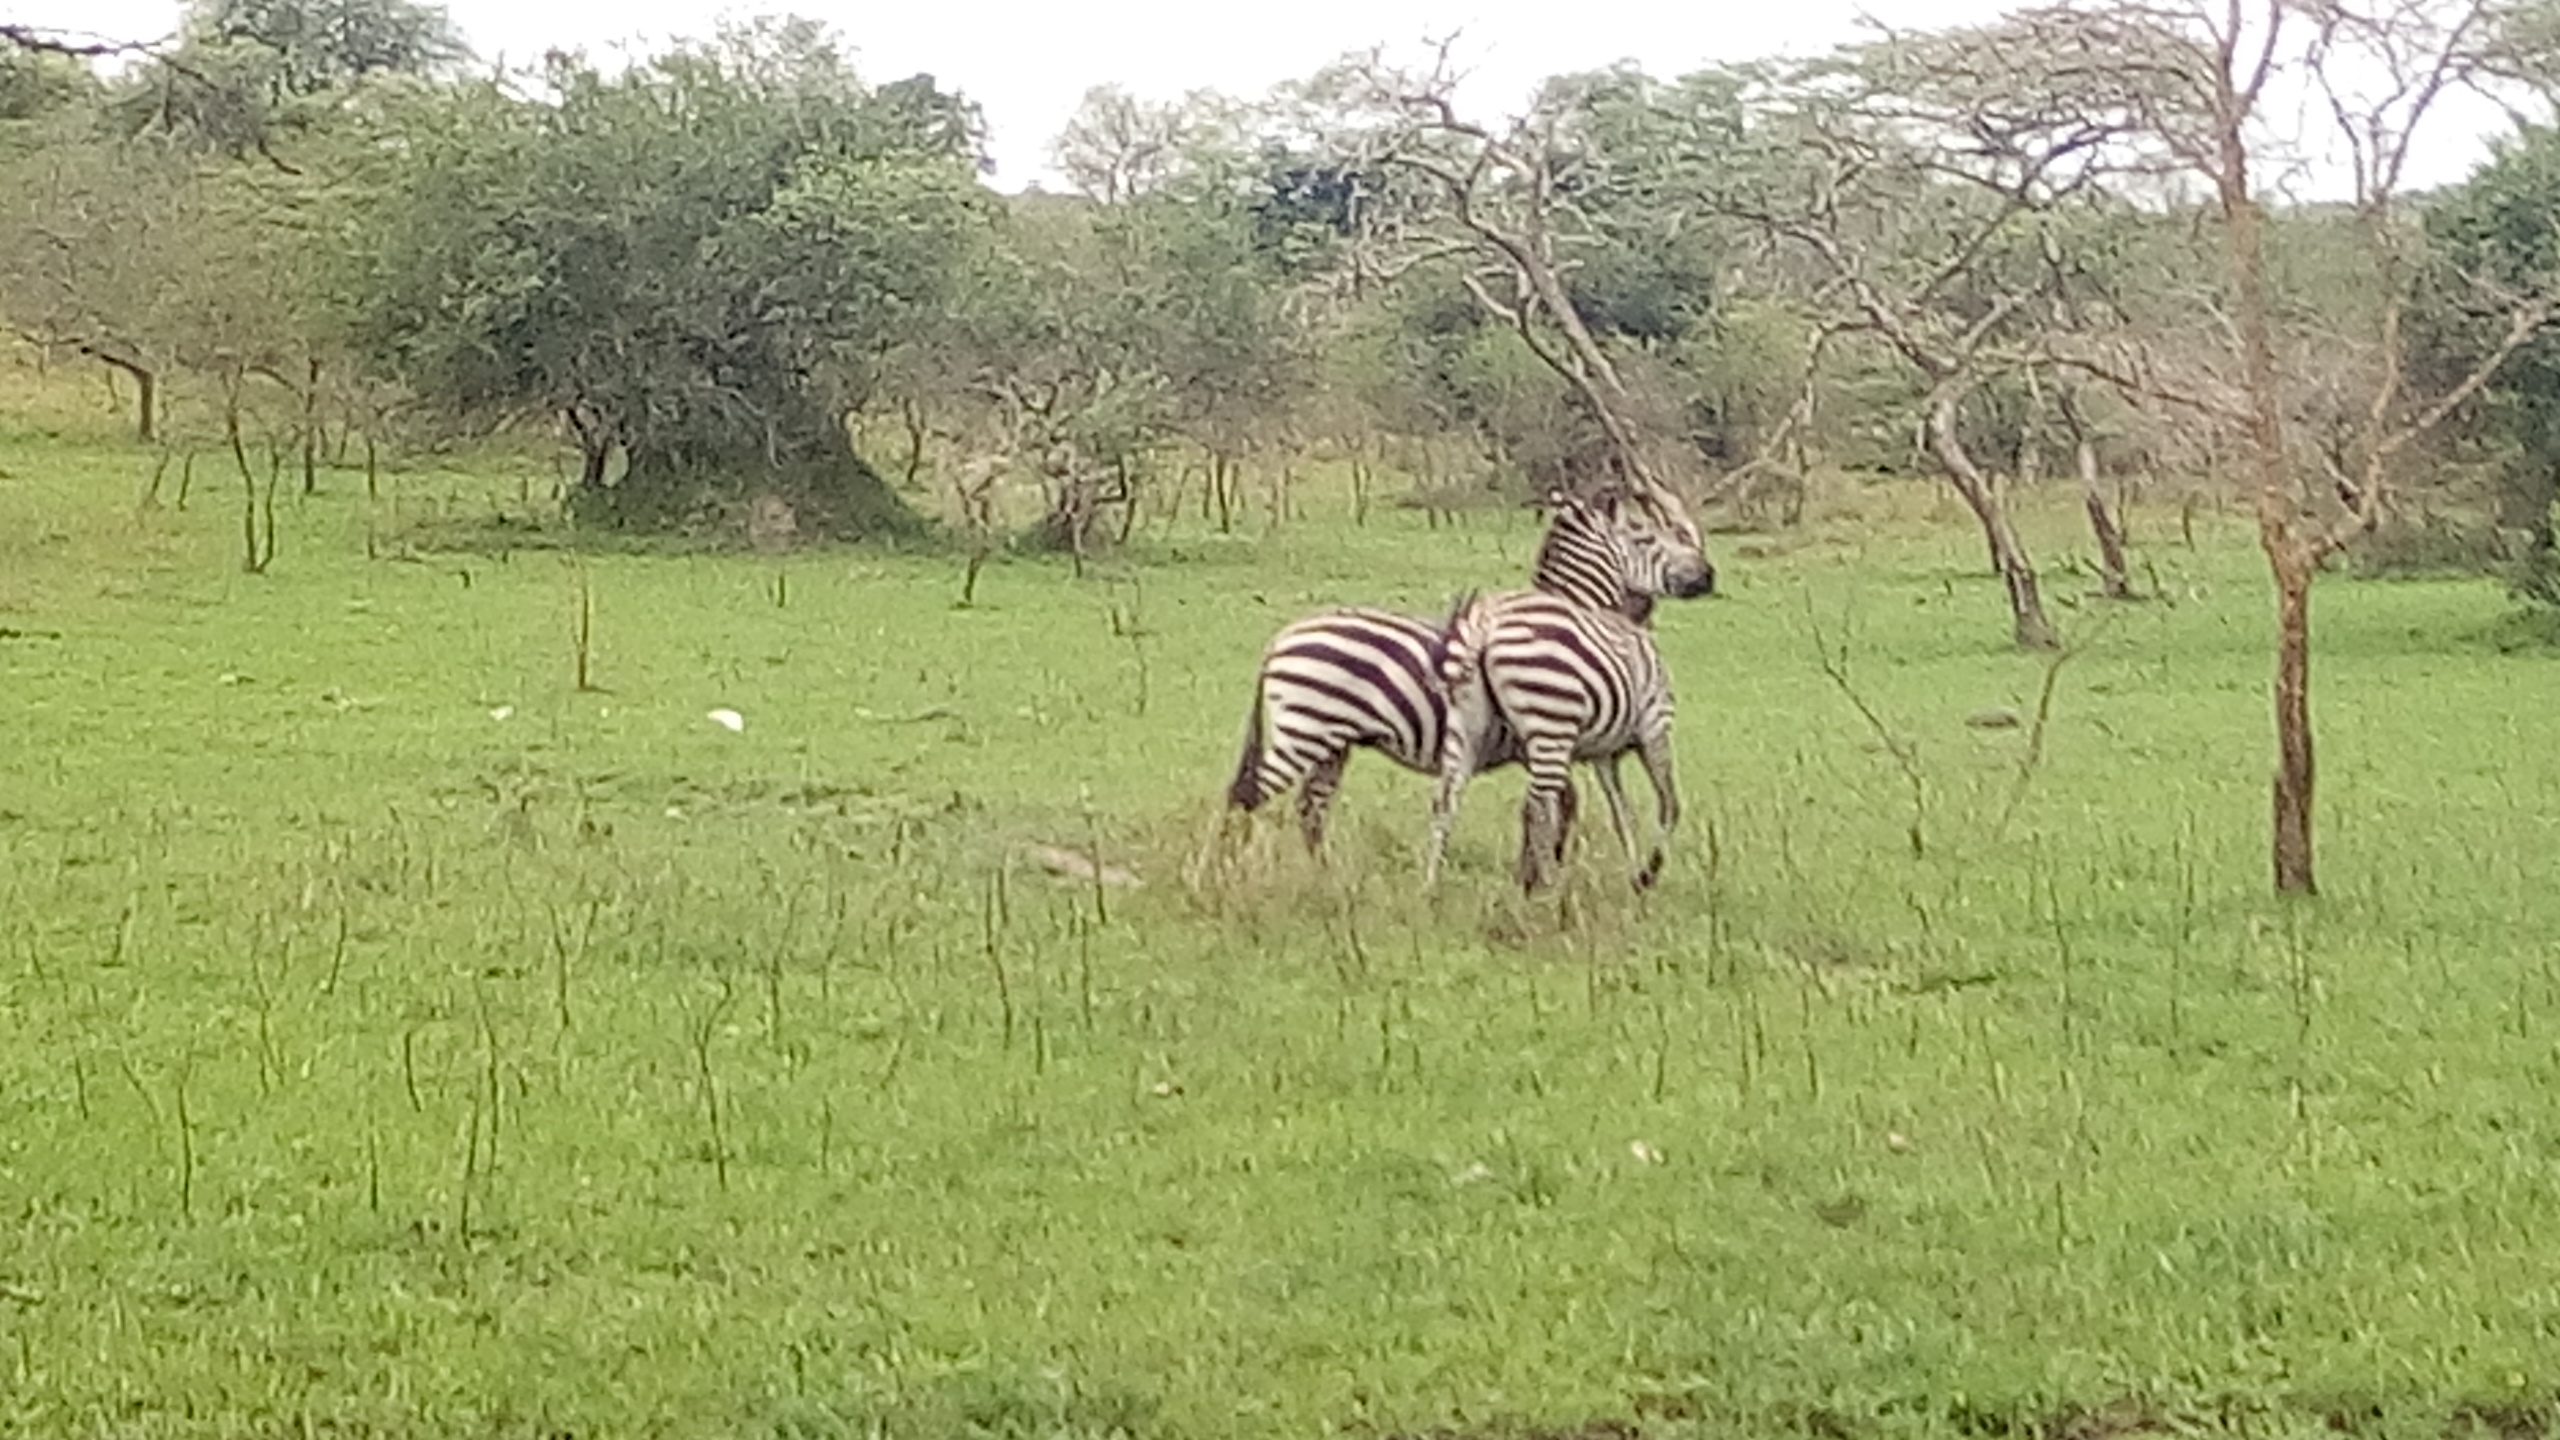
(1651, 871)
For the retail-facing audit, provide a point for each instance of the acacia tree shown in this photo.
(123, 246)
(322, 44)
(35, 83)
(2194, 78)
(1091, 339)
(691, 263)
(86, 240)
(1117, 147)
(1501, 201)
(244, 77)
(1926, 198)
(1060, 355)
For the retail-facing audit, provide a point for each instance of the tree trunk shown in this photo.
(2108, 529)
(254, 555)
(2295, 775)
(2289, 559)
(2008, 558)
(2105, 521)
(146, 395)
(1128, 500)
(311, 426)
(913, 414)
(805, 459)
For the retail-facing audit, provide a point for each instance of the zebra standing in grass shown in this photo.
(1561, 673)
(1353, 678)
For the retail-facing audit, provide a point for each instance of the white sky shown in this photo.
(1027, 64)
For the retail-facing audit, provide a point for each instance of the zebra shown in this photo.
(1562, 673)
(1356, 678)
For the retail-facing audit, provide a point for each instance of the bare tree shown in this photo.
(1116, 147)
(88, 239)
(2197, 74)
(1923, 187)
(1500, 206)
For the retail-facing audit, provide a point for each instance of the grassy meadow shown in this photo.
(401, 1041)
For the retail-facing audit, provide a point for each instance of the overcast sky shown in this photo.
(1028, 63)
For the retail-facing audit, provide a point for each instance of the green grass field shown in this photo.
(379, 1066)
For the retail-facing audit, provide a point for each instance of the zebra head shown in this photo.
(1623, 545)
(1665, 553)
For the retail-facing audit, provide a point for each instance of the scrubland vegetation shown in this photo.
(612, 817)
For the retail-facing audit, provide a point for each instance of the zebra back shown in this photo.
(1543, 668)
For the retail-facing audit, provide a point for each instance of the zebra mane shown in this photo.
(1581, 557)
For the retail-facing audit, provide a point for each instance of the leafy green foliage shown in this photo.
(224, 283)
(1744, 368)
(1212, 311)
(249, 74)
(34, 83)
(1087, 339)
(2495, 230)
(320, 44)
(1635, 157)
(1305, 208)
(693, 261)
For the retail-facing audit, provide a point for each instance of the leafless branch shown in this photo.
(74, 44)
(1905, 755)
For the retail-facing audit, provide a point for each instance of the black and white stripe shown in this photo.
(1563, 674)
(1341, 681)
(1354, 679)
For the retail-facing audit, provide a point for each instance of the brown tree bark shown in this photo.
(2290, 557)
(146, 384)
(2295, 776)
(2031, 626)
(2104, 523)
(595, 446)
(311, 427)
(146, 396)
(2113, 580)
(912, 414)
(2404, 58)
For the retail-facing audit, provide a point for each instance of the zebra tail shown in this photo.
(1462, 638)
(1245, 791)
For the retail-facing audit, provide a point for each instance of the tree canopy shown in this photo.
(689, 262)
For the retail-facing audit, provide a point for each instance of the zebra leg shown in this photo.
(1315, 798)
(1458, 763)
(1568, 809)
(1655, 752)
(1544, 812)
(1613, 784)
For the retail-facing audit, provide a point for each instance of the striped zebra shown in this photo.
(1561, 674)
(1352, 679)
